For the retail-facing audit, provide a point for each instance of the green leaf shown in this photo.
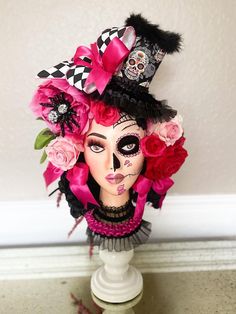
(39, 118)
(43, 138)
(43, 158)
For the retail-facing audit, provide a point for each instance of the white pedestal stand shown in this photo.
(117, 282)
(117, 308)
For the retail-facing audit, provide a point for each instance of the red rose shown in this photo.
(167, 164)
(104, 114)
(152, 146)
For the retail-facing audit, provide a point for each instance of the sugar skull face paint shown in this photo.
(121, 189)
(127, 163)
(128, 144)
(106, 151)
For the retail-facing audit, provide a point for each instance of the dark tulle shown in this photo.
(135, 100)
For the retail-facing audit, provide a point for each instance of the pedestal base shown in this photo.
(117, 308)
(116, 281)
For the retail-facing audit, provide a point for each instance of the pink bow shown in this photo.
(102, 67)
(51, 174)
(161, 187)
(143, 185)
(78, 176)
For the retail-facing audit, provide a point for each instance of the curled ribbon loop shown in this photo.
(141, 186)
(51, 174)
(77, 177)
(102, 67)
(161, 187)
(92, 68)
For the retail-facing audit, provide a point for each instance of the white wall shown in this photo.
(198, 82)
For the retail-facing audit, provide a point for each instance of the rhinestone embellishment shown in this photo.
(62, 108)
(53, 116)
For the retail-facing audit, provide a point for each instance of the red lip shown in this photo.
(115, 179)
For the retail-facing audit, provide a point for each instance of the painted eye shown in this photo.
(131, 61)
(95, 147)
(128, 145)
(140, 66)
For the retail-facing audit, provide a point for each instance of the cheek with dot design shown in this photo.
(128, 163)
(121, 189)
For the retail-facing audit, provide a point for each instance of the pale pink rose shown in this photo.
(171, 131)
(63, 152)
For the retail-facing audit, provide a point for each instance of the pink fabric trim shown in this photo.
(107, 229)
(51, 174)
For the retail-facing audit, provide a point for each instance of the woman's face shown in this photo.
(113, 154)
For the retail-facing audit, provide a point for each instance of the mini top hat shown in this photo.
(119, 67)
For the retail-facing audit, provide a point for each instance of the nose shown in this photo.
(116, 163)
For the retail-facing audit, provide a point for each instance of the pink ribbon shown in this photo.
(142, 187)
(161, 187)
(51, 174)
(102, 68)
(77, 177)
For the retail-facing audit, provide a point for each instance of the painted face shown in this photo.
(113, 154)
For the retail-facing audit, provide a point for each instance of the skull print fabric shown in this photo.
(142, 62)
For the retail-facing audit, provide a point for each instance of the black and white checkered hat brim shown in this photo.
(57, 71)
(106, 37)
(77, 76)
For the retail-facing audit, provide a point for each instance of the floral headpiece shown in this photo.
(106, 82)
(119, 67)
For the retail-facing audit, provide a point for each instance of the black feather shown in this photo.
(168, 41)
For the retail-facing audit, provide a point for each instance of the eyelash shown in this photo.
(95, 143)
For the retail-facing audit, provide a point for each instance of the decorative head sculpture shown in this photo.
(111, 144)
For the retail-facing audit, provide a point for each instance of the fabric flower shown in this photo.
(64, 108)
(104, 114)
(63, 152)
(152, 146)
(169, 132)
(169, 163)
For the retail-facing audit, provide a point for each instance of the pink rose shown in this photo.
(63, 152)
(171, 131)
(63, 107)
(104, 114)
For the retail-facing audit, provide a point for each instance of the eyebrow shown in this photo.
(129, 126)
(98, 135)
